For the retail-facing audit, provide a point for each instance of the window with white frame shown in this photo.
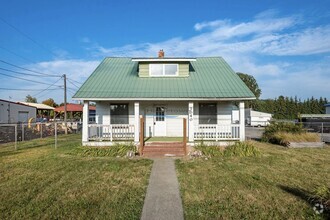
(207, 113)
(163, 69)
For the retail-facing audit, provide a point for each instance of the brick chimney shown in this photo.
(161, 54)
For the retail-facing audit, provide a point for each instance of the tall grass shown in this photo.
(111, 151)
(283, 133)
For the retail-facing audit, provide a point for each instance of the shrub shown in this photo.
(210, 151)
(242, 149)
(111, 151)
(283, 132)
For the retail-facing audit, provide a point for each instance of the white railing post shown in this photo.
(136, 122)
(85, 121)
(191, 121)
(241, 122)
(110, 130)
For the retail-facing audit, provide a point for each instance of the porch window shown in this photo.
(207, 113)
(119, 114)
(163, 69)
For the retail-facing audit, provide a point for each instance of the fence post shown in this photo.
(15, 136)
(185, 135)
(322, 131)
(141, 135)
(55, 135)
(41, 130)
(22, 131)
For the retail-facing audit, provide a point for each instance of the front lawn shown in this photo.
(276, 185)
(41, 182)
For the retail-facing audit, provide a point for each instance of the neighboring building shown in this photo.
(44, 112)
(75, 111)
(14, 112)
(327, 108)
(163, 91)
(255, 118)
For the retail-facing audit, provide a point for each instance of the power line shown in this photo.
(28, 69)
(70, 82)
(27, 36)
(24, 58)
(14, 89)
(26, 74)
(24, 79)
(76, 81)
(48, 87)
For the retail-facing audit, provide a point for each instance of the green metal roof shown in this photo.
(209, 78)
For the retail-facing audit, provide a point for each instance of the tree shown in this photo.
(251, 83)
(50, 102)
(29, 98)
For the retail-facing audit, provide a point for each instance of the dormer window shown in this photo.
(163, 69)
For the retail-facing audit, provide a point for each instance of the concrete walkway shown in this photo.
(163, 199)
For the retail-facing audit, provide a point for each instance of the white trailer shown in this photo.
(12, 112)
(255, 118)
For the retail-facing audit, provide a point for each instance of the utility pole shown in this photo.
(65, 110)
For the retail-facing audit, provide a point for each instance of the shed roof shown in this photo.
(209, 78)
(70, 107)
(38, 105)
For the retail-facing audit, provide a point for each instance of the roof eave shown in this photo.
(167, 99)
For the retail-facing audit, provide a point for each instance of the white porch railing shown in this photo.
(216, 132)
(100, 132)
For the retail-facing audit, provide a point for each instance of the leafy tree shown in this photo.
(50, 102)
(251, 83)
(29, 98)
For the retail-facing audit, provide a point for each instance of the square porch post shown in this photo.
(85, 121)
(191, 121)
(136, 121)
(241, 122)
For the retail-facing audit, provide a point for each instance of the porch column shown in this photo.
(85, 121)
(136, 121)
(191, 121)
(241, 122)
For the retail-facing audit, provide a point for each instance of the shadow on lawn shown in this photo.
(307, 197)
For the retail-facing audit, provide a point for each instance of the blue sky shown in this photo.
(285, 45)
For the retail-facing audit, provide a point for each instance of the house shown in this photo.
(14, 112)
(163, 91)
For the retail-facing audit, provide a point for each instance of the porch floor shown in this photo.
(163, 139)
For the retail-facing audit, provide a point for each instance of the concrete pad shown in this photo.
(163, 200)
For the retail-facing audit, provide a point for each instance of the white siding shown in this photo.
(102, 113)
(327, 110)
(9, 112)
(224, 113)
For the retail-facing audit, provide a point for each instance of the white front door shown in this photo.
(160, 121)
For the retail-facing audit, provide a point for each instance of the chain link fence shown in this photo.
(21, 132)
(322, 128)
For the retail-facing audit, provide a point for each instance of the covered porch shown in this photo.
(120, 121)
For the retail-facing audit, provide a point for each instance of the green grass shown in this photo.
(41, 182)
(278, 184)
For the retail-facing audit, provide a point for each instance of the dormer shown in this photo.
(163, 67)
